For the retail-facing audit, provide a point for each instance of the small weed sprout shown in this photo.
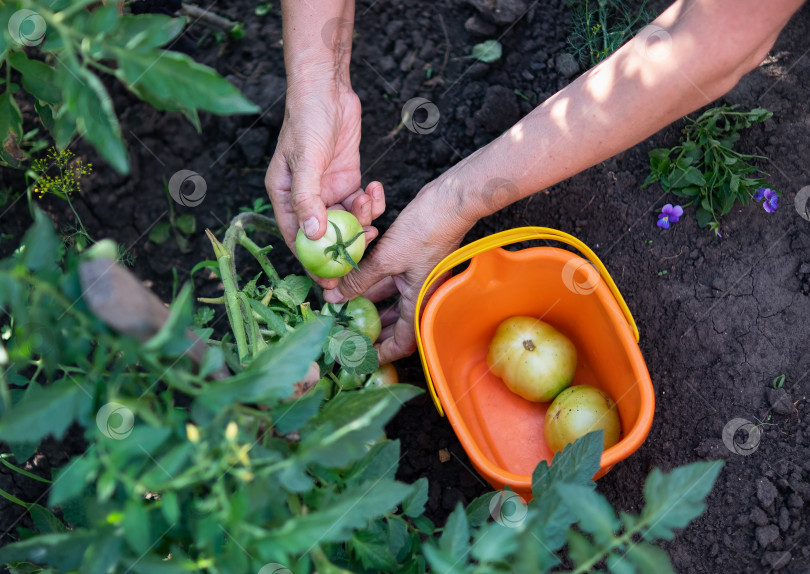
(705, 170)
(600, 28)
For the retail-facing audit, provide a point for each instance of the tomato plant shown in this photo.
(533, 358)
(208, 449)
(580, 410)
(359, 314)
(338, 251)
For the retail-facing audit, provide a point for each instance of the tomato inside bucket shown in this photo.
(502, 432)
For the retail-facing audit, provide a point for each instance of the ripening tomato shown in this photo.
(382, 377)
(533, 358)
(359, 314)
(580, 410)
(338, 251)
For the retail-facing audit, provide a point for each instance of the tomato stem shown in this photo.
(340, 248)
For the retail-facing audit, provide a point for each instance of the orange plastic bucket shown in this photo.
(502, 432)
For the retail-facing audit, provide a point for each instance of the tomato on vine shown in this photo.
(359, 314)
(338, 251)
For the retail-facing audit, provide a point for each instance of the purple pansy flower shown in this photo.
(669, 214)
(771, 202)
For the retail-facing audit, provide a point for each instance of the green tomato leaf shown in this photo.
(382, 461)
(487, 51)
(649, 559)
(41, 246)
(144, 32)
(173, 339)
(88, 104)
(494, 543)
(580, 549)
(136, 526)
(478, 510)
(293, 290)
(337, 435)
(64, 550)
(594, 513)
(103, 20)
(274, 371)
(45, 521)
(455, 539)
(213, 360)
(576, 464)
(441, 562)
(46, 411)
(673, 500)
(10, 117)
(353, 351)
(373, 552)
(171, 79)
(339, 516)
(73, 478)
(291, 416)
(618, 564)
(37, 78)
(398, 540)
(414, 504)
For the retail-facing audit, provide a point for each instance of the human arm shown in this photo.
(708, 46)
(316, 164)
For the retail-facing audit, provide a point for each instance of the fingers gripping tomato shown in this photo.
(359, 314)
(533, 358)
(338, 251)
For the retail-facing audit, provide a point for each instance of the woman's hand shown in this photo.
(316, 165)
(424, 233)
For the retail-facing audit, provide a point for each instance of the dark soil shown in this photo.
(719, 318)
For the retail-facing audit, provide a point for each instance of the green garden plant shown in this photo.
(56, 49)
(183, 226)
(704, 168)
(180, 471)
(600, 27)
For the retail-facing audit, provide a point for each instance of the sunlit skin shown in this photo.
(650, 82)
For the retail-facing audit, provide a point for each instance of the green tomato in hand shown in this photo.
(580, 410)
(382, 377)
(338, 251)
(359, 314)
(533, 358)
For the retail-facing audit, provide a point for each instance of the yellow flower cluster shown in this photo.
(70, 173)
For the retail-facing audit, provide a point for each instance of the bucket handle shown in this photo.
(500, 239)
